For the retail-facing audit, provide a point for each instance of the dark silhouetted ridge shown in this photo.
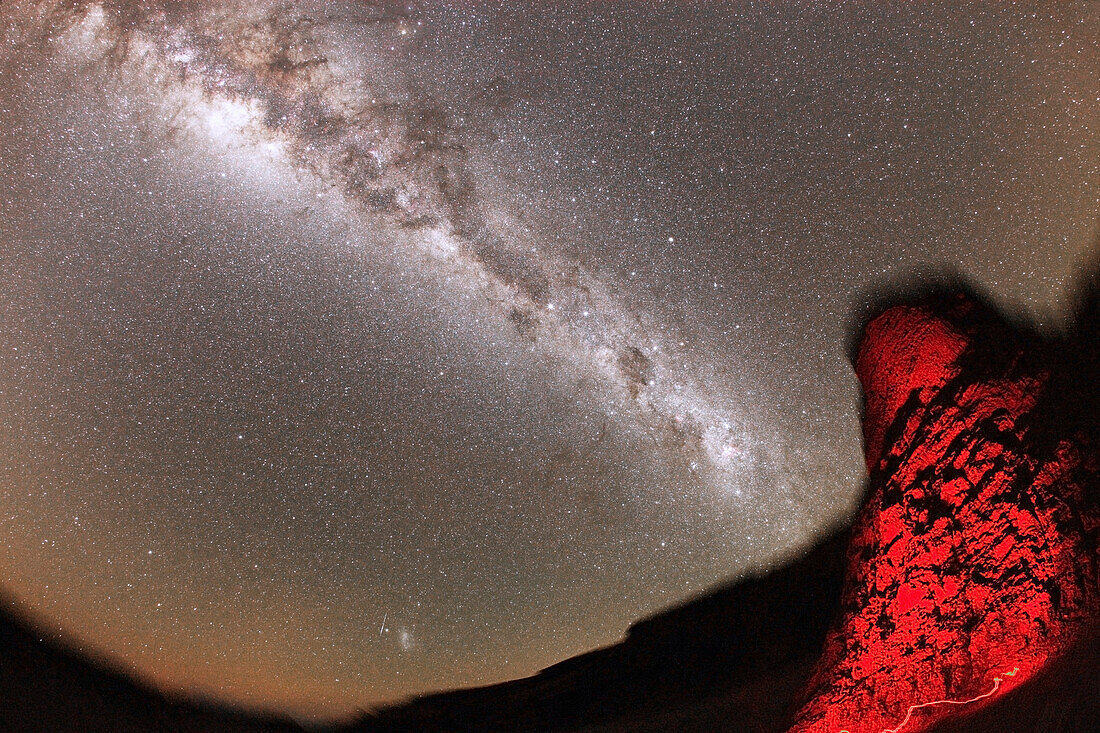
(46, 688)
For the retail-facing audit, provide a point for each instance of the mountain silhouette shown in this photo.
(963, 598)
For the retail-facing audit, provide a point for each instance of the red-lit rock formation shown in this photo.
(973, 562)
(971, 567)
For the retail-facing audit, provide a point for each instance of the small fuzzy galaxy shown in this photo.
(355, 350)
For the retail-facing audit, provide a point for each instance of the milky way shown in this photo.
(354, 350)
(261, 80)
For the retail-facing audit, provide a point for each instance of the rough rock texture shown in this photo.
(973, 562)
(974, 558)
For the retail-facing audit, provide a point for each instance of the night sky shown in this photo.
(354, 350)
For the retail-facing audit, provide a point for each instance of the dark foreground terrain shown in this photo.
(964, 597)
(48, 688)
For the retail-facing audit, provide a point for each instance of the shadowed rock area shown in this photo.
(973, 562)
(964, 598)
(970, 591)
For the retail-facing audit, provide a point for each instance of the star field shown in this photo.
(355, 350)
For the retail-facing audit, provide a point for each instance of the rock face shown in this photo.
(973, 561)
(965, 596)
